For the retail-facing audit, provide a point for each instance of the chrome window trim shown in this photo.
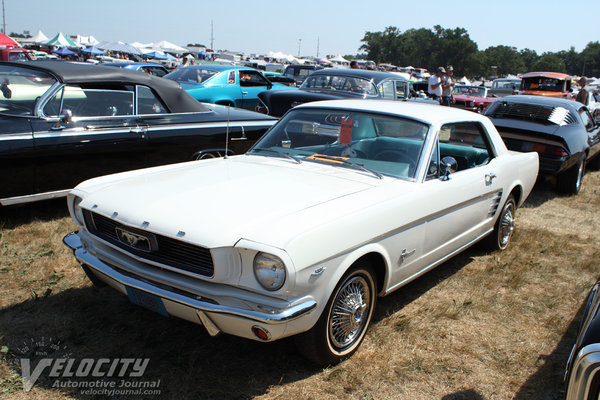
(9, 201)
(38, 110)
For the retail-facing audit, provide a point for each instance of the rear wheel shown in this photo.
(570, 181)
(341, 328)
(504, 227)
(206, 156)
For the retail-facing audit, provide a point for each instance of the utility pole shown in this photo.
(318, 47)
(299, 43)
(3, 19)
(212, 38)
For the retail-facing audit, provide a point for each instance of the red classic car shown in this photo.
(552, 84)
(473, 98)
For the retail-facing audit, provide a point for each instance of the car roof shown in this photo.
(542, 101)
(376, 76)
(217, 67)
(556, 75)
(132, 64)
(428, 113)
(175, 98)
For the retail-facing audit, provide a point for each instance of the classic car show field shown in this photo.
(484, 325)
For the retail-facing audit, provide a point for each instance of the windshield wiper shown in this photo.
(317, 157)
(280, 153)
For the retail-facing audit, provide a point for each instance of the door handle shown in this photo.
(138, 129)
(489, 178)
(243, 137)
(244, 93)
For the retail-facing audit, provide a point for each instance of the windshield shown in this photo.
(191, 75)
(542, 83)
(20, 89)
(470, 90)
(381, 144)
(343, 83)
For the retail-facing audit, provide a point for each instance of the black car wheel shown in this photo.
(341, 328)
(569, 181)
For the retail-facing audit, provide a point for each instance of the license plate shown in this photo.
(146, 300)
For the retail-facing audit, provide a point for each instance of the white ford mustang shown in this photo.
(339, 203)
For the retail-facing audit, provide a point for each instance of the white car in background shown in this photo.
(340, 202)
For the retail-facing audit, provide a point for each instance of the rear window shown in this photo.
(531, 112)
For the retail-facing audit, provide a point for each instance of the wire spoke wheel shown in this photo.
(507, 224)
(350, 311)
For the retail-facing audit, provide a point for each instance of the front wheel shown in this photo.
(341, 328)
(504, 227)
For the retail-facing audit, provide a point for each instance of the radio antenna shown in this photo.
(227, 133)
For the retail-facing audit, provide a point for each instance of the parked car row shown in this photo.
(323, 168)
(65, 122)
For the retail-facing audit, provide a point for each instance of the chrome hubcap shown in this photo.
(507, 224)
(350, 312)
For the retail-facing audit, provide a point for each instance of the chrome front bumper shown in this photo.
(215, 314)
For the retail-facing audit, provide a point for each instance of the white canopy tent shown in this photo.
(282, 57)
(39, 37)
(339, 60)
(169, 47)
(86, 41)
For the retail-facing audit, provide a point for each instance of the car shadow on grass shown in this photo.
(92, 323)
(48, 210)
(547, 382)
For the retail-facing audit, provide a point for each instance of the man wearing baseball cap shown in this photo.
(448, 86)
(435, 84)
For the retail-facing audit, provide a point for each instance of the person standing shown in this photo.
(448, 86)
(435, 84)
(582, 96)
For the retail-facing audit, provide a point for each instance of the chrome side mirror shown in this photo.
(449, 166)
(66, 116)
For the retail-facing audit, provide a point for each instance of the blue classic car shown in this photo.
(224, 84)
(149, 68)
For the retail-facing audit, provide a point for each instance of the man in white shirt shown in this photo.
(435, 84)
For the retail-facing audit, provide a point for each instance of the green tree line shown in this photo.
(431, 48)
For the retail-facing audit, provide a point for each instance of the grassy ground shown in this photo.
(481, 326)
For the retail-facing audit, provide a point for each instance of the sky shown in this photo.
(311, 28)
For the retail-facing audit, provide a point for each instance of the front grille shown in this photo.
(168, 251)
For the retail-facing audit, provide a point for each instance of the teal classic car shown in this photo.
(224, 84)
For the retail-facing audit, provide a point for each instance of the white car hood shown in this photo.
(215, 203)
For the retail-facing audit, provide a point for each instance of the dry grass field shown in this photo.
(481, 326)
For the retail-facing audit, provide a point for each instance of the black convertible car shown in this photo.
(332, 84)
(561, 131)
(582, 374)
(62, 123)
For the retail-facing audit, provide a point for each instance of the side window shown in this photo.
(148, 103)
(157, 71)
(467, 142)
(588, 122)
(85, 102)
(53, 107)
(387, 90)
(433, 170)
(252, 78)
(401, 89)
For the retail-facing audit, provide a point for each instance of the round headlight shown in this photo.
(269, 271)
(77, 211)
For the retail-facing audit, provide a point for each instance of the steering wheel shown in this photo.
(399, 156)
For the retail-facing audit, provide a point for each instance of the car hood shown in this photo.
(217, 202)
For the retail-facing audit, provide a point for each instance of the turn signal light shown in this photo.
(261, 333)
